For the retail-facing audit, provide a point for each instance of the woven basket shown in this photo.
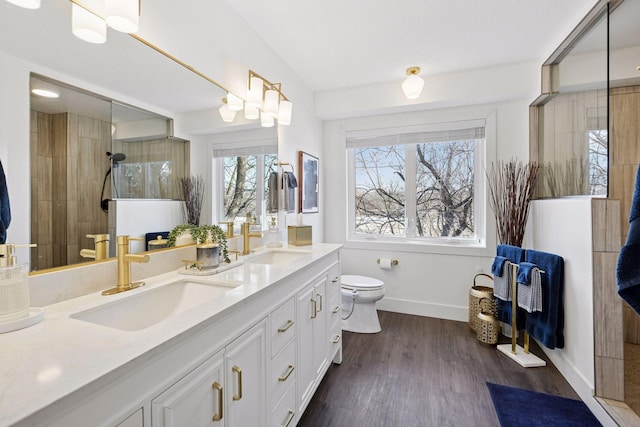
(488, 328)
(476, 295)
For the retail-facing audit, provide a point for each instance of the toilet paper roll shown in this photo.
(385, 263)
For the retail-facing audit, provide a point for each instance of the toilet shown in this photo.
(359, 296)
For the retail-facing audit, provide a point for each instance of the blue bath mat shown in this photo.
(518, 407)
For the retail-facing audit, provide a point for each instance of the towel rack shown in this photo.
(524, 358)
(281, 164)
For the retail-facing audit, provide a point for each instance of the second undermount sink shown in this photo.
(276, 257)
(148, 308)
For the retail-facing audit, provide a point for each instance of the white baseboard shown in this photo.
(440, 311)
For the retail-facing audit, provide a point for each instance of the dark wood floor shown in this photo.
(421, 371)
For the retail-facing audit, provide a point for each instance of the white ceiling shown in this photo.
(334, 44)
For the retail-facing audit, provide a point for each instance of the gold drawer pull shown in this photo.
(314, 308)
(238, 371)
(286, 327)
(336, 279)
(218, 416)
(336, 339)
(289, 372)
(336, 309)
(289, 418)
(320, 296)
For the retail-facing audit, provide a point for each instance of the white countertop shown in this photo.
(45, 362)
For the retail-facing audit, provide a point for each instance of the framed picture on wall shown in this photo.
(308, 185)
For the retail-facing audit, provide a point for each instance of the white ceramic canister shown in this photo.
(14, 293)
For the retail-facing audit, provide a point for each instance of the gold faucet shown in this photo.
(101, 245)
(246, 235)
(124, 266)
(229, 232)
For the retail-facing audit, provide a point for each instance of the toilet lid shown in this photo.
(361, 282)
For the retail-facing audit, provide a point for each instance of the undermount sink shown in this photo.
(151, 307)
(276, 257)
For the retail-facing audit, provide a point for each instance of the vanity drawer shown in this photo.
(335, 281)
(283, 371)
(282, 326)
(335, 305)
(284, 414)
(335, 335)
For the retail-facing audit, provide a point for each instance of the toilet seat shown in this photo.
(361, 283)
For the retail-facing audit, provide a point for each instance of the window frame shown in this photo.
(480, 196)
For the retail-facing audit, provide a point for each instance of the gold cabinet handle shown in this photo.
(289, 418)
(336, 339)
(336, 309)
(314, 307)
(320, 297)
(238, 371)
(336, 279)
(286, 327)
(289, 372)
(218, 416)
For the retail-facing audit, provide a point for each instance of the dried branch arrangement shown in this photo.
(192, 191)
(511, 185)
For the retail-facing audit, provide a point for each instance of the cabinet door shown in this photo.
(306, 313)
(321, 329)
(246, 378)
(196, 400)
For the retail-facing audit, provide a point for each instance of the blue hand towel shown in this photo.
(524, 272)
(498, 265)
(5, 209)
(289, 184)
(628, 270)
(515, 255)
(547, 326)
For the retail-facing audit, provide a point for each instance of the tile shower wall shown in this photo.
(68, 164)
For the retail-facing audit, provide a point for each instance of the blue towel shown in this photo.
(524, 272)
(5, 208)
(515, 255)
(628, 270)
(547, 326)
(498, 266)
(289, 184)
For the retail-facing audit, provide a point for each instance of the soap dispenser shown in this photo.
(273, 235)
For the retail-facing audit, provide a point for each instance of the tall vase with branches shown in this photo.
(192, 191)
(511, 186)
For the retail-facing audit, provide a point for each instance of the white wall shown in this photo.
(431, 281)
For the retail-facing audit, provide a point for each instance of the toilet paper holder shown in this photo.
(393, 261)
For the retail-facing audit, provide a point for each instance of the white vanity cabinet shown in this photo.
(228, 389)
(335, 309)
(313, 344)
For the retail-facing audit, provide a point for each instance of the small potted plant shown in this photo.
(202, 235)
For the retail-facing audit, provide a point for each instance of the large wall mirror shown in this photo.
(152, 86)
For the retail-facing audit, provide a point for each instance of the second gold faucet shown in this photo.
(124, 266)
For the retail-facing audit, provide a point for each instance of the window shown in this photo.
(245, 176)
(417, 183)
(598, 162)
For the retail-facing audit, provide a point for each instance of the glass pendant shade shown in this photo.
(284, 113)
(234, 102)
(87, 26)
(254, 95)
(271, 98)
(266, 120)
(251, 113)
(122, 15)
(227, 113)
(412, 86)
(27, 4)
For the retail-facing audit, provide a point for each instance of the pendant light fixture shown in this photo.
(27, 4)
(226, 113)
(413, 84)
(235, 103)
(254, 92)
(87, 26)
(271, 98)
(266, 120)
(122, 15)
(284, 113)
(251, 113)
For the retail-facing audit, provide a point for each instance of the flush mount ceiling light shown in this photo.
(46, 93)
(226, 113)
(413, 84)
(27, 4)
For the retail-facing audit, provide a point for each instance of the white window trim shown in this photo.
(431, 245)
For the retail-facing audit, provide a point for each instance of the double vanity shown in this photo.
(246, 346)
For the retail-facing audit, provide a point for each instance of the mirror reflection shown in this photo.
(78, 165)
